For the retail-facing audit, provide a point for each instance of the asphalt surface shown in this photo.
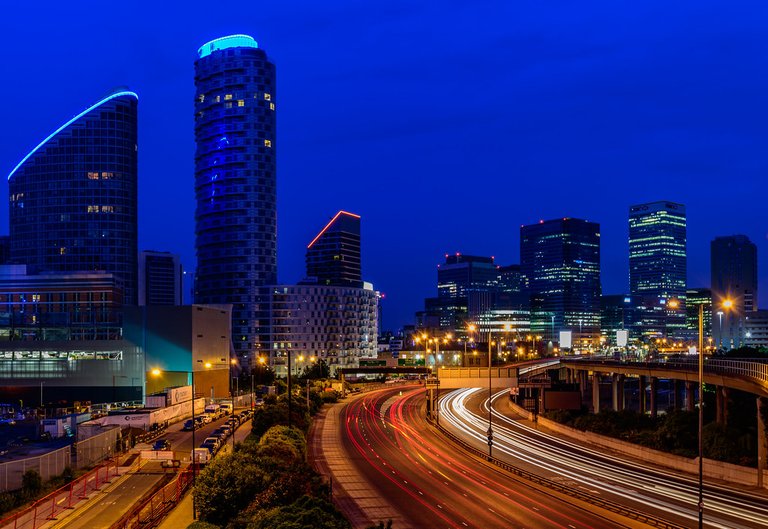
(633, 483)
(433, 484)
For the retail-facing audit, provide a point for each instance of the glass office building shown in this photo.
(73, 197)
(235, 184)
(560, 260)
(333, 257)
(657, 260)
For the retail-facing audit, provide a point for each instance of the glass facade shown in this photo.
(560, 260)
(235, 184)
(734, 278)
(657, 260)
(73, 198)
(333, 257)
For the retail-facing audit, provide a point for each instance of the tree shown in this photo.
(31, 483)
(304, 512)
(227, 485)
(316, 370)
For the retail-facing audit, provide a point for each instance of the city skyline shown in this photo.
(364, 139)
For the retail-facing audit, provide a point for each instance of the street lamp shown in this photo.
(490, 399)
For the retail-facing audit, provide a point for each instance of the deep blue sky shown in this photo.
(445, 124)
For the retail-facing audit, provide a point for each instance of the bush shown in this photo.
(304, 512)
(31, 483)
(202, 525)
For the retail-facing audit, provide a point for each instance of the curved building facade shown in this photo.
(235, 184)
(73, 198)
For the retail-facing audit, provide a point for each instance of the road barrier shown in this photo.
(63, 499)
(151, 510)
(602, 503)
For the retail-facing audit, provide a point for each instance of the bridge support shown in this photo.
(583, 378)
(595, 392)
(677, 394)
(618, 391)
(653, 397)
(642, 396)
(689, 396)
(722, 404)
(762, 443)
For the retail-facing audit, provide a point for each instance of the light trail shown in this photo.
(599, 472)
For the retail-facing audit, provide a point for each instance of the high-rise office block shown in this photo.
(333, 257)
(560, 260)
(657, 261)
(160, 279)
(693, 298)
(235, 184)
(734, 287)
(73, 197)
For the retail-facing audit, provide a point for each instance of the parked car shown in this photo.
(258, 402)
(215, 440)
(189, 425)
(161, 444)
(211, 446)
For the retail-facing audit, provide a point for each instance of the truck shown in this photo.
(202, 456)
(226, 408)
(214, 410)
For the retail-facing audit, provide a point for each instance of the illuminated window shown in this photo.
(267, 143)
(227, 97)
(271, 106)
(240, 103)
(93, 176)
(35, 298)
(201, 98)
(107, 209)
(62, 251)
(93, 209)
(218, 98)
(107, 176)
(267, 97)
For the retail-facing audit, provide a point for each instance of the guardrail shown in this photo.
(755, 370)
(46, 509)
(602, 503)
(156, 504)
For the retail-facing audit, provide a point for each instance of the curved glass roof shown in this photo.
(110, 97)
(231, 41)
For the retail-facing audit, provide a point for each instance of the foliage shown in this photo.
(31, 483)
(202, 525)
(304, 512)
(227, 485)
(284, 442)
(745, 352)
(276, 414)
(330, 397)
(316, 371)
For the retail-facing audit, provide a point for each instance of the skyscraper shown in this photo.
(560, 260)
(73, 197)
(160, 279)
(657, 260)
(734, 278)
(235, 183)
(333, 257)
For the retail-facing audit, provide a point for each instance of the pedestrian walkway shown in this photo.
(352, 493)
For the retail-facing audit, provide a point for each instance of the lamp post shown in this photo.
(490, 401)
(720, 316)
(290, 419)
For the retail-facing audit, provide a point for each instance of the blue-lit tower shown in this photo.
(235, 184)
(73, 197)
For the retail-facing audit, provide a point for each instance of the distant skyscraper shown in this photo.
(693, 298)
(235, 184)
(73, 197)
(657, 260)
(734, 278)
(160, 279)
(333, 257)
(560, 260)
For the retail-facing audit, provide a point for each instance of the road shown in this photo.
(633, 483)
(432, 483)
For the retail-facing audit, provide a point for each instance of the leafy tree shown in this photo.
(281, 441)
(303, 513)
(202, 525)
(227, 485)
(276, 414)
(316, 371)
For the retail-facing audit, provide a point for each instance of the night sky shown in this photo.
(445, 124)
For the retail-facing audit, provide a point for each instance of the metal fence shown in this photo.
(150, 512)
(47, 465)
(43, 511)
(93, 450)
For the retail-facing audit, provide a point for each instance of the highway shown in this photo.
(432, 483)
(649, 489)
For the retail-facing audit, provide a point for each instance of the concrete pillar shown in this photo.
(762, 445)
(721, 412)
(583, 377)
(653, 397)
(689, 396)
(618, 392)
(595, 392)
(642, 381)
(677, 397)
